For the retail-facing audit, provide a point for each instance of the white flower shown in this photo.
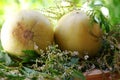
(112, 47)
(86, 57)
(105, 12)
(75, 53)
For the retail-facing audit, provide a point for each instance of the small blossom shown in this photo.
(93, 66)
(112, 47)
(75, 53)
(110, 69)
(35, 46)
(79, 67)
(86, 57)
(43, 67)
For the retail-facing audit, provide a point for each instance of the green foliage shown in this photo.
(98, 16)
(4, 58)
(78, 74)
(51, 64)
(30, 56)
(110, 22)
(114, 7)
(116, 32)
(56, 64)
(10, 6)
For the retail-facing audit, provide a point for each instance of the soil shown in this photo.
(101, 75)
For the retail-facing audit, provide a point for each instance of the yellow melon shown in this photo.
(75, 32)
(26, 30)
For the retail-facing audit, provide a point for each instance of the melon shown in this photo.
(75, 32)
(26, 30)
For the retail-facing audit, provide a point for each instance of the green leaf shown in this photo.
(27, 71)
(8, 60)
(30, 56)
(11, 77)
(32, 74)
(14, 77)
(78, 74)
(5, 58)
(74, 60)
(107, 27)
(30, 53)
(1, 48)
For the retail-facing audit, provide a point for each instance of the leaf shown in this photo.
(97, 16)
(78, 74)
(8, 74)
(31, 73)
(27, 71)
(107, 27)
(1, 48)
(30, 56)
(74, 60)
(5, 58)
(8, 60)
(14, 77)
(30, 53)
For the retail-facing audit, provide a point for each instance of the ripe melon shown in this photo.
(26, 30)
(75, 32)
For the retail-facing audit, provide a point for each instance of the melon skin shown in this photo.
(74, 32)
(26, 30)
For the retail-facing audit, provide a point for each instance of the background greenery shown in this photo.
(9, 6)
